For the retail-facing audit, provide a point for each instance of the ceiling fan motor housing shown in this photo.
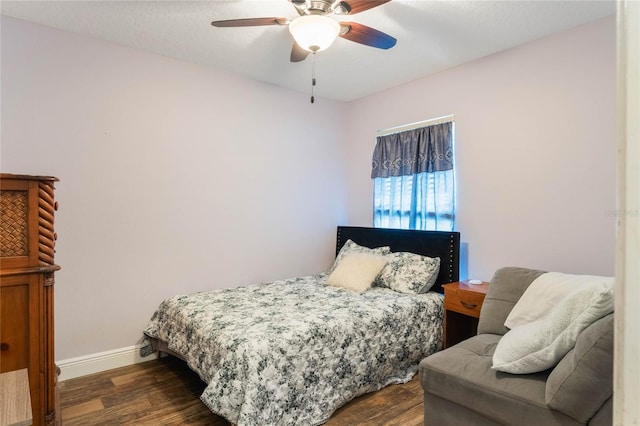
(321, 7)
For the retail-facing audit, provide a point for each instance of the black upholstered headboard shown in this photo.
(445, 245)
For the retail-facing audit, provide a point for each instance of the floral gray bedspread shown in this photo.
(291, 352)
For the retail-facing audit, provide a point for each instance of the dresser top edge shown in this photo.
(30, 177)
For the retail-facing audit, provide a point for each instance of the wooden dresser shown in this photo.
(27, 240)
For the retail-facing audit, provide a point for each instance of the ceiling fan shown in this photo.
(314, 30)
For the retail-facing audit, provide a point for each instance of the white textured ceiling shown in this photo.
(432, 35)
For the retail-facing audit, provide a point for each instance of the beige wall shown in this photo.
(173, 178)
(535, 151)
(150, 152)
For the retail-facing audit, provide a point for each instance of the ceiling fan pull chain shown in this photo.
(313, 76)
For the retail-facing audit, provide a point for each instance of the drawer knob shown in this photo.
(468, 305)
(4, 346)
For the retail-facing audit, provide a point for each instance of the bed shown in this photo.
(290, 352)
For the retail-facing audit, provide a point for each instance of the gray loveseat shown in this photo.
(460, 388)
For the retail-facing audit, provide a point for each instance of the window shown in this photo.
(414, 179)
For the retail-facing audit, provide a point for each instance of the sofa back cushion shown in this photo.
(583, 380)
(506, 287)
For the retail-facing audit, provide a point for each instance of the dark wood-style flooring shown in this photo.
(166, 392)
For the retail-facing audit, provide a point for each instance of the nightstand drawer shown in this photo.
(462, 301)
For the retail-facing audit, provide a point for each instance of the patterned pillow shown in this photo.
(409, 273)
(351, 247)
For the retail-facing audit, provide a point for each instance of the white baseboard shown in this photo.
(102, 361)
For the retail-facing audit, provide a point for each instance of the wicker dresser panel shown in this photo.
(14, 232)
(27, 247)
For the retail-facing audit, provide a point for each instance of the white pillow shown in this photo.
(541, 344)
(357, 271)
(409, 273)
(351, 247)
(545, 292)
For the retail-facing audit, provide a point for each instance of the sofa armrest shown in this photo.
(506, 287)
(583, 380)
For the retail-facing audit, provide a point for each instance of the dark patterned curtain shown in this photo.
(414, 181)
(426, 149)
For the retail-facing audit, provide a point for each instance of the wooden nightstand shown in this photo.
(462, 303)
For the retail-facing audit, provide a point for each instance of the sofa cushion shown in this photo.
(604, 416)
(462, 374)
(505, 289)
(582, 381)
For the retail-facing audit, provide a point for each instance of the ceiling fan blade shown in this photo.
(250, 22)
(298, 54)
(357, 6)
(366, 35)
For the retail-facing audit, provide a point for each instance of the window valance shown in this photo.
(425, 149)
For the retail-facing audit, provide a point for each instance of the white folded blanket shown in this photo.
(548, 318)
(547, 291)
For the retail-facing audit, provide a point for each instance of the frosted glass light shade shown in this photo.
(314, 32)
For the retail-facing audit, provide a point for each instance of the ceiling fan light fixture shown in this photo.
(314, 32)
